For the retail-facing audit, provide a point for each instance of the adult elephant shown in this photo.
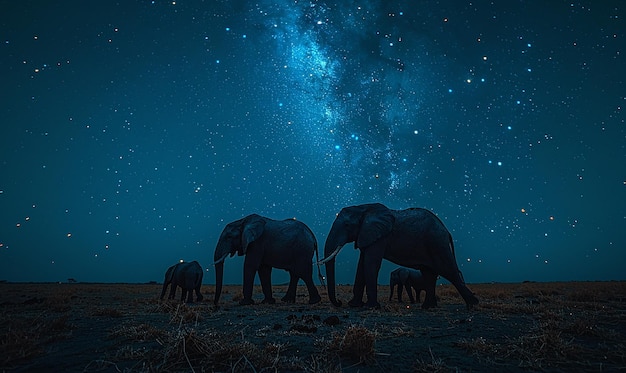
(286, 244)
(413, 238)
(187, 275)
(408, 278)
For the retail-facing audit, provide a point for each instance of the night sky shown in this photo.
(133, 131)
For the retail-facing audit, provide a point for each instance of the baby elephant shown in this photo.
(409, 278)
(186, 275)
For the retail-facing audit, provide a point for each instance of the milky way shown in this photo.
(132, 133)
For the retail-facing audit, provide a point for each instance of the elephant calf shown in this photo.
(410, 279)
(186, 275)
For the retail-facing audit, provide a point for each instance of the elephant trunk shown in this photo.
(330, 277)
(219, 278)
(222, 250)
(334, 243)
(169, 274)
(337, 237)
(165, 283)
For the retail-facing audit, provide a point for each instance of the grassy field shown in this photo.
(569, 326)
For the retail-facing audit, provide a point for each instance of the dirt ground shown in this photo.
(553, 327)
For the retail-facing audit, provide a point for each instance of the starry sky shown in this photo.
(133, 131)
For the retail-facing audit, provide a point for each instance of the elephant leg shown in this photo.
(189, 295)
(314, 295)
(172, 291)
(265, 277)
(371, 267)
(467, 295)
(400, 292)
(165, 285)
(390, 290)
(359, 285)
(290, 296)
(430, 300)
(409, 289)
(306, 274)
(249, 271)
(198, 294)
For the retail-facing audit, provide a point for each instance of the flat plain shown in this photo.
(517, 327)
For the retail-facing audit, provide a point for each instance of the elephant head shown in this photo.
(235, 238)
(363, 224)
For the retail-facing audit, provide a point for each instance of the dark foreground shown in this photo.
(125, 328)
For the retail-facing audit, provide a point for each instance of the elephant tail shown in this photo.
(454, 256)
(317, 256)
(451, 245)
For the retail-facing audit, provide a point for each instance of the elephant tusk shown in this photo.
(331, 256)
(220, 260)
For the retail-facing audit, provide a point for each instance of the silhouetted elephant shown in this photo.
(186, 275)
(413, 238)
(286, 244)
(408, 278)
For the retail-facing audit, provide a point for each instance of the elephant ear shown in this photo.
(252, 230)
(375, 225)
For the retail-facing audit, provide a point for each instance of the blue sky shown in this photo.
(133, 132)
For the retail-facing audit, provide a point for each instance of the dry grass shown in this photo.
(356, 343)
(573, 323)
(106, 312)
(180, 313)
(26, 337)
(183, 313)
(137, 333)
(528, 326)
(432, 365)
(543, 347)
(187, 349)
